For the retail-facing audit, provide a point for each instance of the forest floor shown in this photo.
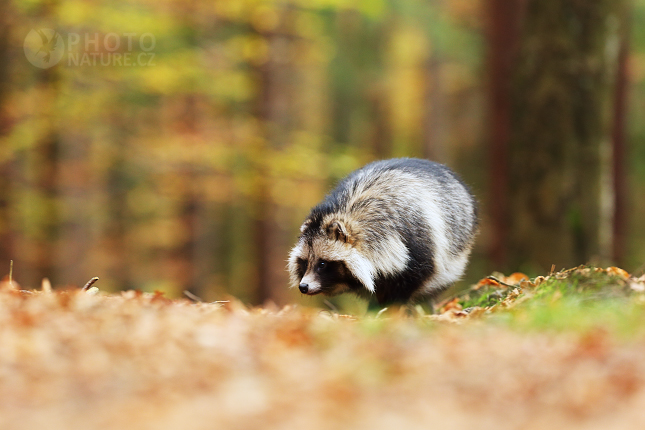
(560, 351)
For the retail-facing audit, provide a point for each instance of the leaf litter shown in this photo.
(142, 361)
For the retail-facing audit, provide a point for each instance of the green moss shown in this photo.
(622, 317)
(580, 301)
(484, 297)
(576, 300)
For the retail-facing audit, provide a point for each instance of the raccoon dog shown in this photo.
(399, 230)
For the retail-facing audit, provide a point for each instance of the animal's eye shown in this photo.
(321, 265)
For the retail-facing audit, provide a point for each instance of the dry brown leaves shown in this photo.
(140, 361)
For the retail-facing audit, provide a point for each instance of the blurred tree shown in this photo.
(358, 88)
(275, 77)
(189, 205)
(619, 138)
(6, 157)
(434, 105)
(194, 170)
(503, 26)
(560, 105)
(45, 165)
(116, 190)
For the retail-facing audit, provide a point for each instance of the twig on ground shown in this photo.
(492, 278)
(193, 297)
(89, 283)
(46, 286)
(330, 305)
(379, 313)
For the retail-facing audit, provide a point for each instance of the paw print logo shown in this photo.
(44, 48)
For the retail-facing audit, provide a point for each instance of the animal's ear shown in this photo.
(304, 225)
(336, 231)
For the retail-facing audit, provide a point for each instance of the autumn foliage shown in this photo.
(139, 360)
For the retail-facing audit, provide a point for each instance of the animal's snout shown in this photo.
(304, 288)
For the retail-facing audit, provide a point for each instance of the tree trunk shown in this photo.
(560, 105)
(117, 209)
(382, 131)
(433, 127)
(6, 165)
(46, 167)
(273, 108)
(504, 19)
(619, 144)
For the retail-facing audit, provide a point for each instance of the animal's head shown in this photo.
(327, 258)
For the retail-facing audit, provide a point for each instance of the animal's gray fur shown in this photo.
(399, 229)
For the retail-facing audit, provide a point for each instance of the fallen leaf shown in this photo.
(515, 278)
(617, 271)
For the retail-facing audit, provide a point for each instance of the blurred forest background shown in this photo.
(194, 169)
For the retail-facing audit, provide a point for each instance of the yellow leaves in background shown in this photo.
(302, 157)
(408, 47)
(232, 10)
(297, 194)
(23, 136)
(118, 17)
(189, 130)
(27, 5)
(251, 48)
(265, 18)
(408, 50)
(309, 25)
(159, 233)
(170, 76)
(374, 9)
(77, 13)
